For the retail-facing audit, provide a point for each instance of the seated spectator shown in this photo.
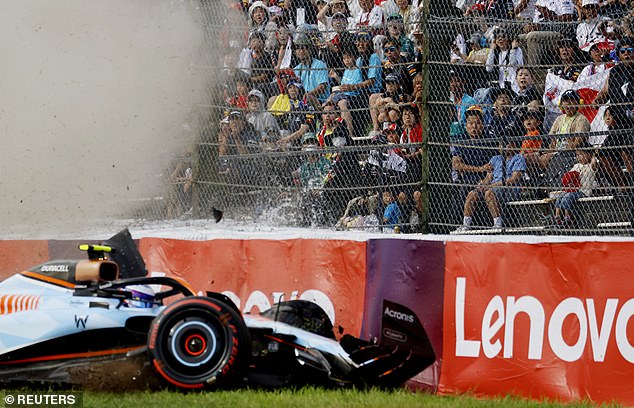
(397, 65)
(341, 40)
(259, 18)
(412, 134)
(577, 183)
(501, 184)
(243, 135)
(524, 88)
(311, 175)
(470, 159)
(457, 95)
(332, 14)
(370, 65)
(554, 11)
(281, 47)
(261, 119)
(238, 99)
(381, 104)
(369, 18)
(533, 140)
(478, 50)
(312, 72)
(261, 65)
(396, 32)
(279, 104)
(599, 60)
(408, 12)
(505, 56)
(504, 122)
(615, 155)
(618, 86)
(300, 117)
(391, 213)
(347, 94)
(572, 127)
(592, 26)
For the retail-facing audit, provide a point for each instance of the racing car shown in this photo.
(64, 314)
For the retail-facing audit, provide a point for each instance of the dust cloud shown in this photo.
(96, 97)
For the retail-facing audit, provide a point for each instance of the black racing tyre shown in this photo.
(197, 342)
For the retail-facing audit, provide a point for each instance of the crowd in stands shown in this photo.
(321, 75)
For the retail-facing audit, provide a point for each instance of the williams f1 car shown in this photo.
(63, 314)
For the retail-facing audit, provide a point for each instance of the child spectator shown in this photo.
(391, 213)
(532, 142)
(347, 94)
(577, 183)
(239, 99)
(380, 103)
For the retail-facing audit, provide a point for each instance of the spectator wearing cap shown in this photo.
(312, 72)
(478, 49)
(591, 28)
(599, 60)
(554, 11)
(370, 17)
(261, 119)
(333, 18)
(382, 104)
(504, 122)
(505, 56)
(244, 138)
(620, 86)
(395, 31)
(459, 97)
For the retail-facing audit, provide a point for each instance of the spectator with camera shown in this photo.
(505, 56)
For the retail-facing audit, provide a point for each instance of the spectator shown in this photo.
(412, 134)
(501, 184)
(381, 104)
(259, 17)
(347, 94)
(262, 70)
(408, 12)
(239, 99)
(370, 17)
(311, 175)
(532, 141)
(504, 122)
(615, 155)
(478, 52)
(505, 56)
(243, 135)
(333, 14)
(619, 83)
(261, 119)
(591, 28)
(599, 60)
(470, 161)
(397, 65)
(302, 12)
(457, 95)
(578, 182)
(391, 213)
(278, 104)
(312, 72)
(300, 117)
(571, 58)
(500, 9)
(281, 47)
(395, 31)
(369, 63)
(525, 90)
(571, 127)
(342, 40)
(554, 11)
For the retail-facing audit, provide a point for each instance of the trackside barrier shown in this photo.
(546, 320)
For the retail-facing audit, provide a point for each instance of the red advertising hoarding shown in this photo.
(548, 320)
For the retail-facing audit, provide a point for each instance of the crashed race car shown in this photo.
(62, 314)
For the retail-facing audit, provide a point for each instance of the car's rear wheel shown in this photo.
(199, 341)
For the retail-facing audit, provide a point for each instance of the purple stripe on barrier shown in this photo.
(409, 273)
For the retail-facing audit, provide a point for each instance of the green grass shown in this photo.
(300, 398)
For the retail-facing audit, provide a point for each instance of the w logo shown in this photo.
(81, 321)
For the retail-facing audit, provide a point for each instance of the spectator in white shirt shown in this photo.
(504, 58)
(592, 27)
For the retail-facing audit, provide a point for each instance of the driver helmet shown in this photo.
(142, 296)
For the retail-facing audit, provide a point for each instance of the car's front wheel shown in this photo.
(197, 342)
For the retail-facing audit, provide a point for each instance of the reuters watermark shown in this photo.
(32, 399)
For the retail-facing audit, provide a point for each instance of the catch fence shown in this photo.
(470, 118)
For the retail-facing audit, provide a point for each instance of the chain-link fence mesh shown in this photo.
(407, 116)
